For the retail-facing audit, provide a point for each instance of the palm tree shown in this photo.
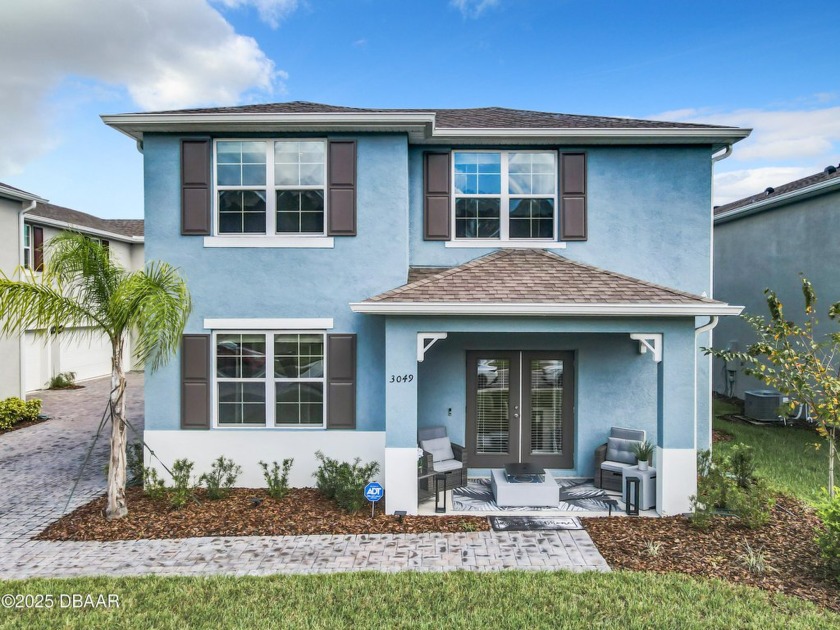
(83, 292)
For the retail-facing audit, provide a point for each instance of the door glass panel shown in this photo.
(492, 404)
(546, 406)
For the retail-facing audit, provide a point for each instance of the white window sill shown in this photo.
(292, 242)
(496, 243)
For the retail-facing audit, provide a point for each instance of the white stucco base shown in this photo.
(676, 479)
(248, 447)
(401, 480)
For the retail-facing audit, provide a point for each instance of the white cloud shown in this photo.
(272, 12)
(473, 8)
(786, 144)
(165, 53)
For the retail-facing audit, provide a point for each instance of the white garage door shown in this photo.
(36, 350)
(87, 356)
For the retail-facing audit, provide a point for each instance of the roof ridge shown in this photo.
(443, 274)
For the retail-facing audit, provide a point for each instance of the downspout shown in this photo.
(22, 339)
(713, 321)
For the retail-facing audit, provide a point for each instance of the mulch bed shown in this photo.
(23, 425)
(721, 436)
(304, 511)
(787, 541)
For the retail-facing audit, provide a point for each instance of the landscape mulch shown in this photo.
(23, 425)
(304, 511)
(787, 541)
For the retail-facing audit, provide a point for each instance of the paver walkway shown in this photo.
(39, 464)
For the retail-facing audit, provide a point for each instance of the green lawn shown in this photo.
(786, 456)
(421, 600)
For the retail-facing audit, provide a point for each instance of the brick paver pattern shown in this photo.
(39, 464)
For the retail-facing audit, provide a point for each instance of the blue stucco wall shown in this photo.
(770, 250)
(269, 282)
(648, 212)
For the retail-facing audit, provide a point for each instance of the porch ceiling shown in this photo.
(535, 282)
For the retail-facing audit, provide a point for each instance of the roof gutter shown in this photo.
(19, 195)
(544, 309)
(766, 204)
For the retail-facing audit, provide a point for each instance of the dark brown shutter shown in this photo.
(195, 186)
(37, 248)
(573, 206)
(195, 382)
(106, 246)
(341, 381)
(436, 204)
(341, 204)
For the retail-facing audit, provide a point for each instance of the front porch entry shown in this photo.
(520, 408)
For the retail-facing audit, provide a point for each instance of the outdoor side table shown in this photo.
(440, 488)
(646, 493)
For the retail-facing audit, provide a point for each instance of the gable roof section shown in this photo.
(818, 183)
(123, 229)
(423, 125)
(536, 282)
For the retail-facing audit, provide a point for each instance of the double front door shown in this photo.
(520, 408)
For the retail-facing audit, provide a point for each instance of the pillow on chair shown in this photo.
(619, 450)
(440, 448)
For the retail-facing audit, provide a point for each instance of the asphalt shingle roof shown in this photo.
(468, 118)
(816, 178)
(532, 277)
(124, 227)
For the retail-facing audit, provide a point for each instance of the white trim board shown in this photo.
(275, 324)
(546, 309)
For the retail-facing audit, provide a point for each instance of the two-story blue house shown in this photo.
(525, 279)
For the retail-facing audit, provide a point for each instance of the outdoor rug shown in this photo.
(575, 495)
(533, 523)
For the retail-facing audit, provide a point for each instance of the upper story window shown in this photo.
(270, 187)
(505, 195)
(27, 246)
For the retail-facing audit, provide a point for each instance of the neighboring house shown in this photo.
(42, 354)
(526, 279)
(765, 242)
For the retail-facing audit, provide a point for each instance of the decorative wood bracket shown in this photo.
(426, 340)
(649, 341)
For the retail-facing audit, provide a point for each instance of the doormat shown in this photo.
(533, 523)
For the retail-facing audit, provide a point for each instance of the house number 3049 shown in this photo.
(401, 378)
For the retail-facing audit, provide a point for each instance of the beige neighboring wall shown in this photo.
(10, 384)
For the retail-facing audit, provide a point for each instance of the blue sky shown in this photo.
(767, 65)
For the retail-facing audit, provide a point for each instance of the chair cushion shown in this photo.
(620, 450)
(616, 467)
(447, 465)
(440, 448)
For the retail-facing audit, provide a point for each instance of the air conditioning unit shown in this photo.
(762, 404)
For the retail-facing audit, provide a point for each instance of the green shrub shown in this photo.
(134, 463)
(181, 490)
(221, 478)
(276, 479)
(344, 482)
(63, 380)
(828, 538)
(153, 485)
(728, 483)
(14, 410)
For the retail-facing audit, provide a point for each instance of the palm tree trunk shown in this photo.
(117, 507)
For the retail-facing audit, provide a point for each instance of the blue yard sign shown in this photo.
(373, 491)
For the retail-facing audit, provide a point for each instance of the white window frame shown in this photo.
(270, 189)
(27, 262)
(268, 380)
(504, 196)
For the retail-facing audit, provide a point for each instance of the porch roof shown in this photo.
(535, 282)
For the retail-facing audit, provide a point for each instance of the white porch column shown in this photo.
(400, 416)
(676, 453)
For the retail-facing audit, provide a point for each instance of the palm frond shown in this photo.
(37, 303)
(156, 303)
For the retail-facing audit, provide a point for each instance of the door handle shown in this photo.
(516, 415)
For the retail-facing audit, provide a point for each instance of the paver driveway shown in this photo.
(39, 464)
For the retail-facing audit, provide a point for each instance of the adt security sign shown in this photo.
(373, 492)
